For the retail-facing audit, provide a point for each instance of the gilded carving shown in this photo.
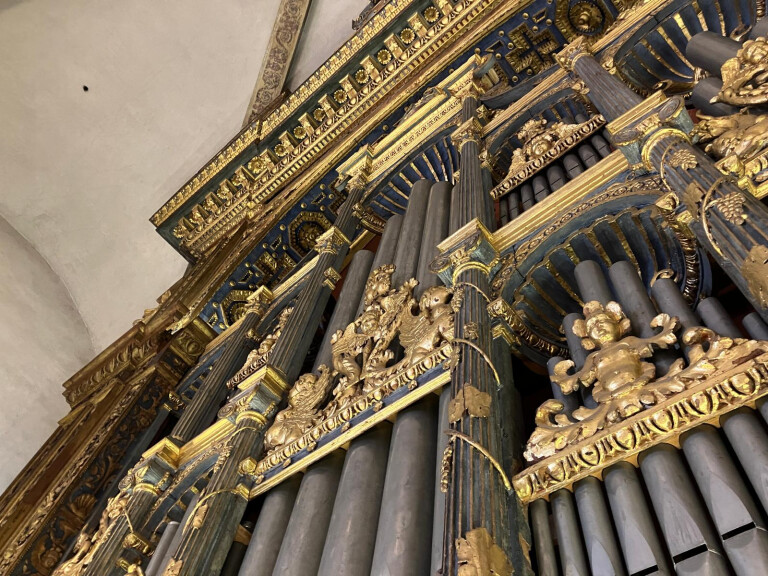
(744, 76)
(731, 206)
(683, 159)
(361, 355)
(87, 546)
(469, 400)
(540, 145)
(330, 241)
(478, 555)
(331, 278)
(740, 140)
(619, 377)
(258, 358)
(755, 272)
(303, 411)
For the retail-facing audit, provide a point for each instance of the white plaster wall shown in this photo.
(81, 172)
(328, 26)
(43, 341)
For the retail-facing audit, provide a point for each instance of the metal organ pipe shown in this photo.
(642, 550)
(542, 538)
(687, 530)
(270, 527)
(572, 557)
(348, 549)
(731, 507)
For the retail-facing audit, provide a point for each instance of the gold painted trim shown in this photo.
(385, 413)
(573, 192)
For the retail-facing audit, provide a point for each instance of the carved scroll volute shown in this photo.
(621, 380)
(260, 356)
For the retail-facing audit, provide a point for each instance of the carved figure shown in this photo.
(86, 546)
(537, 139)
(615, 370)
(745, 76)
(304, 400)
(433, 324)
(74, 566)
(623, 383)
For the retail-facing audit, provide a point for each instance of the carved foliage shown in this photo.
(623, 383)
(361, 361)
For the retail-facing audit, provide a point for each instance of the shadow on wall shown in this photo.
(43, 341)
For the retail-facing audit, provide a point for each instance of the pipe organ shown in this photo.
(487, 295)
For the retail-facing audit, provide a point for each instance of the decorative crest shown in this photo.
(361, 361)
(622, 382)
(741, 140)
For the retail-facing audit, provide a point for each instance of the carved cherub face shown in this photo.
(755, 51)
(603, 325)
(434, 296)
(303, 385)
(369, 322)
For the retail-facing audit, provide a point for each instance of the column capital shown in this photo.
(259, 301)
(469, 131)
(330, 241)
(639, 129)
(471, 246)
(568, 56)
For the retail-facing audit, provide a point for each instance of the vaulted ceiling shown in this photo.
(107, 108)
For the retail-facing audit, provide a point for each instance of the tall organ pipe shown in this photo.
(348, 549)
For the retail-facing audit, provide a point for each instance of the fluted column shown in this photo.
(477, 500)
(139, 491)
(730, 224)
(205, 543)
(207, 400)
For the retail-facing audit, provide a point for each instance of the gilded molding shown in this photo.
(541, 145)
(331, 241)
(336, 118)
(635, 410)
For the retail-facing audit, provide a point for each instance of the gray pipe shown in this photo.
(409, 242)
(640, 544)
(636, 304)
(435, 231)
(710, 50)
(572, 557)
(270, 527)
(592, 282)
(542, 539)
(728, 500)
(755, 327)
(404, 537)
(747, 437)
(348, 549)
(347, 304)
(304, 538)
(601, 543)
(688, 532)
(161, 550)
(717, 318)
